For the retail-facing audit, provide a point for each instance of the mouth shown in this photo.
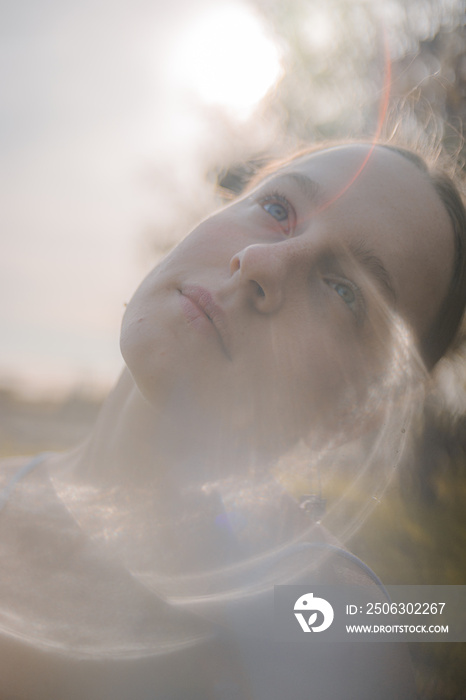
(201, 309)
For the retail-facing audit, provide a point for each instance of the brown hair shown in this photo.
(441, 335)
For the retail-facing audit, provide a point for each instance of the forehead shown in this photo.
(380, 199)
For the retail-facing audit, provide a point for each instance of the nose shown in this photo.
(262, 270)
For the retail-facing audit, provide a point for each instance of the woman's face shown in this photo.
(268, 322)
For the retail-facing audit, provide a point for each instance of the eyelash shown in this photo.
(276, 196)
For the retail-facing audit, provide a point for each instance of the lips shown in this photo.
(200, 307)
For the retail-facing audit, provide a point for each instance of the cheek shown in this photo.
(133, 328)
(149, 334)
(142, 350)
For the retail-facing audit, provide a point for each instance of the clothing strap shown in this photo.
(6, 492)
(326, 546)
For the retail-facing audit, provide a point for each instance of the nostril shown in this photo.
(259, 290)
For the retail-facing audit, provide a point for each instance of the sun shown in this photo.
(226, 58)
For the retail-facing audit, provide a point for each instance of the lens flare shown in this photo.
(383, 107)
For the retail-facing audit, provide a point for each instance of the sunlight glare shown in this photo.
(320, 31)
(226, 58)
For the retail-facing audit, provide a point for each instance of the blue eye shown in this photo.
(345, 291)
(276, 209)
(279, 208)
(351, 296)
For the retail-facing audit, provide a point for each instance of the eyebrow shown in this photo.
(374, 266)
(309, 188)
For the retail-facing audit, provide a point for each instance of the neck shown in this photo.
(138, 445)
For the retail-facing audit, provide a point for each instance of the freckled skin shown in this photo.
(299, 353)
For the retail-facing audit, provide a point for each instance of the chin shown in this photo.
(145, 367)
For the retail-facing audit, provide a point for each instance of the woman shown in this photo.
(280, 323)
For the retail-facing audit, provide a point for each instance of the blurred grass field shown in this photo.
(416, 535)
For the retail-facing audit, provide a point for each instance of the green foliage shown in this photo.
(410, 540)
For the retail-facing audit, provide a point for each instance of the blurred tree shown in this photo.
(334, 66)
(334, 61)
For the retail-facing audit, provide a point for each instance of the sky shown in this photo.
(107, 126)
